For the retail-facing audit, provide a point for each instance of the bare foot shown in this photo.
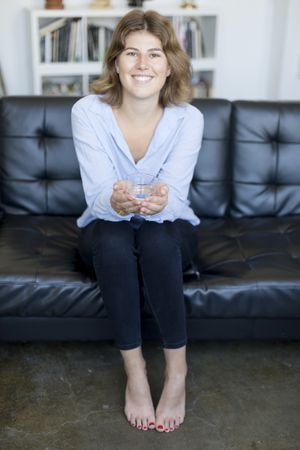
(170, 410)
(139, 408)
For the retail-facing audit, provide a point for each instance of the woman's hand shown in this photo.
(121, 201)
(156, 202)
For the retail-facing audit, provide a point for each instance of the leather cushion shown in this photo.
(39, 171)
(249, 267)
(210, 188)
(266, 159)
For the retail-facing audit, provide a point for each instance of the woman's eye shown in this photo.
(155, 55)
(131, 53)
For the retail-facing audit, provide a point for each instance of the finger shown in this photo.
(128, 207)
(154, 200)
(122, 197)
(161, 189)
(151, 208)
(120, 185)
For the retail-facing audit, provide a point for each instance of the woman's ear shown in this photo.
(117, 67)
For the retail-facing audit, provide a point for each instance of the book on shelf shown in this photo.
(62, 41)
(190, 36)
(99, 38)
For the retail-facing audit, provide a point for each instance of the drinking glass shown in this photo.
(141, 185)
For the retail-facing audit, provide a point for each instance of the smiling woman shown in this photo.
(141, 124)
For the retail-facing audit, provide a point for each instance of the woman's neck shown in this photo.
(139, 112)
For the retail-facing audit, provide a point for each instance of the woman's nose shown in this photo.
(142, 61)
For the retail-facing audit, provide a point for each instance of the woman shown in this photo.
(141, 123)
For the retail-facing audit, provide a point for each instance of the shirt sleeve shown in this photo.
(178, 169)
(97, 171)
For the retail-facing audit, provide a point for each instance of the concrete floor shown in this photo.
(69, 396)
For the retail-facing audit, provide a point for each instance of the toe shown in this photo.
(132, 421)
(177, 422)
(151, 423)
(172, 424)
(167, 426)
(144, 423)
(160, 425)
(139, 423)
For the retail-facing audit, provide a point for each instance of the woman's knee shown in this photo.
(158, 240)
(112, 239)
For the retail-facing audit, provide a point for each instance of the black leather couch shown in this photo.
(246, 189)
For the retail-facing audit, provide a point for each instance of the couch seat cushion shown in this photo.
(249, 267)
(40, 271)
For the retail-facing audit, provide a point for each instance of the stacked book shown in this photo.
(62, 41)
(190, 36)
(99, 38)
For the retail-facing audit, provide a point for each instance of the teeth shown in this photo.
(142, 77)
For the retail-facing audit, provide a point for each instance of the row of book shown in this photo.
(62, 41)
(190, 36)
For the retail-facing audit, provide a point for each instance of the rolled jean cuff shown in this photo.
(175, 345)
(128, 346)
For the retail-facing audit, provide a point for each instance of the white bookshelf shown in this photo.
(79, 74)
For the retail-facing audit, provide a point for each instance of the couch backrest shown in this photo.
(39, 172)
(266, 159)
(210, 188)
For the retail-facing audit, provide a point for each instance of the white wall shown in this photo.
(289, 84)
(244, 50)
(259, 54)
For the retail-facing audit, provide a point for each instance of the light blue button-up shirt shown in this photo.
(104, 158)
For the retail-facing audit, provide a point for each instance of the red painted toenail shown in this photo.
(151, 423)
(160, 427)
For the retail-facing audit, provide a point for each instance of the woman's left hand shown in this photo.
(156, 202)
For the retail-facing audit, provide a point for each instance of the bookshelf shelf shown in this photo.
(68, 46)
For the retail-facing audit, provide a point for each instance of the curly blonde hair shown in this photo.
(177, 88)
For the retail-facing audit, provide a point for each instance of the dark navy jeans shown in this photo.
(125, 254)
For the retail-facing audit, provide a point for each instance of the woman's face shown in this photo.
(142, 66)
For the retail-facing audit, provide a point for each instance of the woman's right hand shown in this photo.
(121, 201)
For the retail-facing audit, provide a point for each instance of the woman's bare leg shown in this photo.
(139, 408)
(170, 410)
